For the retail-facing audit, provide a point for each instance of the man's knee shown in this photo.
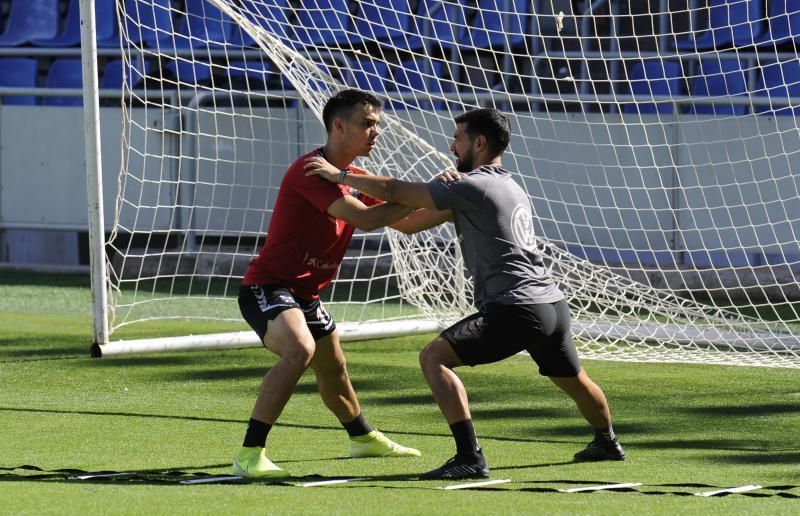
(437, 353)
(299, 353)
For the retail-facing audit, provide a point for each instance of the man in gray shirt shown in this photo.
(519, 305)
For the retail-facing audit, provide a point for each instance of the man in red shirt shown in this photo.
(309, 232)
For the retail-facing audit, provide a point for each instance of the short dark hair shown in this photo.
(490, 123)
(344, 102)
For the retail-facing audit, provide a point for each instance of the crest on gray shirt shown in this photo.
(522, 227)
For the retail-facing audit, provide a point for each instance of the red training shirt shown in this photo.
(305, 245)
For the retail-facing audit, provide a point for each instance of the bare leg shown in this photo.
(437, 360)
(288, 337)
(333, 381)
(588, 396)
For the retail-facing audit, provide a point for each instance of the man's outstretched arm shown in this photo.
(423, 219)
(414, 195)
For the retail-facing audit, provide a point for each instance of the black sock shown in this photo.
(466, 442)
(256, 435)
(357, 427)
(604, 434)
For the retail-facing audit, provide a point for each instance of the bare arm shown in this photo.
(366, 218)
(414, 195)
(423, 219)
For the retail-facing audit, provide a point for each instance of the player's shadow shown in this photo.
(30, 473)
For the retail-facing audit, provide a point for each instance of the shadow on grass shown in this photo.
(46, 280)
(335, 428)
(58, 346)
(766, 458)
(709, 445)
(168, 359)
(523, 413)
(582, 429)
(746, 410)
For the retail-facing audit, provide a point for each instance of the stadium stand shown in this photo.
(274, 19)
(149, 23)
(70, 33)
(779, 80)
(64, 73)
(465, 31)
(719, 77)
(783, 23)
(654, 77)
(388, 22)
(18, 72)
(738, 23)
(367, 74)
(105, 13)
(419, 74)
(115, 75)
(325, 22)
(30, 20)
(488, 25)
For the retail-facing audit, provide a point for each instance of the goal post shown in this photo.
(659, 163)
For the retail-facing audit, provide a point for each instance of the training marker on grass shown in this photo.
(600, 488)
(330, 482)
(103, 476)
(740, 489)
(223, 479)
(475, 484)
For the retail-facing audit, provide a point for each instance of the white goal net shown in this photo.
(658, 143)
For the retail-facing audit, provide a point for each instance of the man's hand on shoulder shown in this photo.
(448, 176)
(321, 167)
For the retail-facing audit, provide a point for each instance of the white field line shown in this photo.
(740, 489)
(330, 482)
(475, 484)
(600, 488)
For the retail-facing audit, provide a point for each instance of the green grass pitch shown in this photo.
(167, 418)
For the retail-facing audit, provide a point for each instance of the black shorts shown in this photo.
(260, 304)
(500, 331)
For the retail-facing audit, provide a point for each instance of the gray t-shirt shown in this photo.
(494, 223)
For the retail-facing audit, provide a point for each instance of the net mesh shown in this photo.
(655, 143)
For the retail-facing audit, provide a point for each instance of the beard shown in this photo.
(464, 164)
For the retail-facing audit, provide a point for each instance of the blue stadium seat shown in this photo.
(719, 77)
(203, 26)
(255, 71)
(654, 77)
(105, 13)
(64, 73)
(149, 22)
(388, 21)
(18, 72)
(739, 23)
(779, 80)
(70, 33)
(272, 15)
(370, 75)
(134, 74)
(421, 75)
(783, 22)
(436, 19)
(324, 22)
(29, 20)
(493, 23)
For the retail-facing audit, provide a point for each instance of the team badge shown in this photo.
(522, 227)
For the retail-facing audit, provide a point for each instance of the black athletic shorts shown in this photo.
(260, 304)
(500, 331)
